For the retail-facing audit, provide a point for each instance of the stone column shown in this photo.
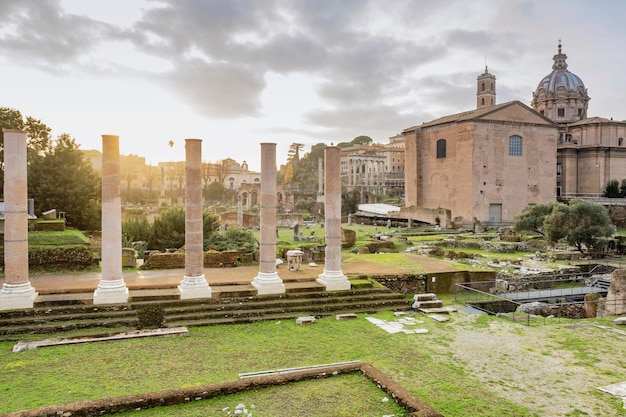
(194, 284)
(112, 288)
(268, 281)
(320, 180)
(16, 292)
(333, 278)
(239, 212)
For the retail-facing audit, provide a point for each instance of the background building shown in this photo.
(590, 151)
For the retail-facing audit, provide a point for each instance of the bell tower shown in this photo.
(485, 90)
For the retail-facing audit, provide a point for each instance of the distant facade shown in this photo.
(590, 151)
(486, 164)
(489, 164)
(168, 177)
(134, 172)
(374, 169)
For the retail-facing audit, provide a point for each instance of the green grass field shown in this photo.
(217, 354)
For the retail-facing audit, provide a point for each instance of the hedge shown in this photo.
(212, 259)
(66, 257)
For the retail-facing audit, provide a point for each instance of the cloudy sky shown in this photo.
(238, 73)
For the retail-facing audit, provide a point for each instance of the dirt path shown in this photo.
(554, 369)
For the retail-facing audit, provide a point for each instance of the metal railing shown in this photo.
(560, 296)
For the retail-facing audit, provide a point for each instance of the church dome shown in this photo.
(561, 95)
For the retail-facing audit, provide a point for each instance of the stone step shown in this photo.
(286, 302)
(428, 304)
(71, 316)
(289, 315)
(293, 310)
(425, 297)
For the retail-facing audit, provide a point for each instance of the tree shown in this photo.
(216, 192)
(622, 189)
(533, 217)
(37, 133)
(168, 229)
(362, 140)
(612, 189)
(288, 175)
(350, 202)
(293, 155)
(359, 140)
(60, 179)
(136, 228)
(583, 224)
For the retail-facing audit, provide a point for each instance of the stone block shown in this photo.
(424, 297)
(428, 304)
(305, 320)
(620, 320)
(346, 316)
(439, 317)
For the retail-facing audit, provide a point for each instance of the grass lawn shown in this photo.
(471, 366)
(217, 354)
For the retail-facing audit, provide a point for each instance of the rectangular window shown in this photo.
(515, 145)
(441, 148)
(561, 112)
(558, 168)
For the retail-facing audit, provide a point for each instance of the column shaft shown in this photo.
(268, 281)
(17, 291)
(112, 288)
(333, 277)
(194, 284)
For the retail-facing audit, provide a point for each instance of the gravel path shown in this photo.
(553, 369)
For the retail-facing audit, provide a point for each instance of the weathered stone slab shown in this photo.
(618, 390)
(306, 320)
(439, 317)
(424, 297)
(620, 320)
(415, 331)
(174, 331)
(346, 316)
(428, 304)
(397, 326)
(440, 310)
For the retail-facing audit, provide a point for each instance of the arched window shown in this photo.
(441, 148)
(482, 101)
(515, 145)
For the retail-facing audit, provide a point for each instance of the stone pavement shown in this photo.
(171, 278)
(80, 286)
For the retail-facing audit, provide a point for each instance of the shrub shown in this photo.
(72, 258)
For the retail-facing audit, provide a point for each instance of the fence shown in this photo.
(561, 296)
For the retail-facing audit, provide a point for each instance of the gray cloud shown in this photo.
(217, 90)
(380, 122)
(44, 37)
(220, 52)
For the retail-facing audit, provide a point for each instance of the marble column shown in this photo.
(268, 281)
(17, 291)
(320, 180)
(112, 288)
(332, 277)
(194, 284)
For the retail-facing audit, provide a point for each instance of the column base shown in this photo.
(268, 283)
(17, 296)
(334, 281)
(194, 287)
(111, 292)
